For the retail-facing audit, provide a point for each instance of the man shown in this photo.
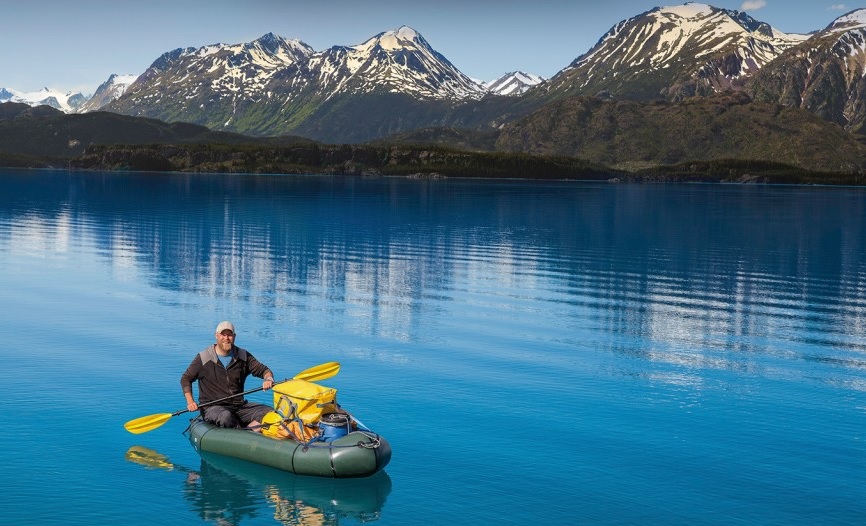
(221, 370)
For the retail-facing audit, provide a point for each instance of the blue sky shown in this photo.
(74, 46)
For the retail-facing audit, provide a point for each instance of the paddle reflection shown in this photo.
(226, 491)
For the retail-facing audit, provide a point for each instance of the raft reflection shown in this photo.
(225, 491)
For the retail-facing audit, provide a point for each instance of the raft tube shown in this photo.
(357, 454)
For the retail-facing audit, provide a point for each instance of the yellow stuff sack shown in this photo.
(271, 425)
(274, 426)
(305, 400)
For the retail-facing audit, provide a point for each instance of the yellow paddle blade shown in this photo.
(147, 423)
(319, 372)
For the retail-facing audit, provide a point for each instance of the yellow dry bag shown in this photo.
(300, 399)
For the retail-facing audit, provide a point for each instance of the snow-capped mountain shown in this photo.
(240, 87)
(64, 101)
(675, 52)
(222, 68)
(204, 85)
(396, 81)
(395, 61)
(826, 75)
(108, 91)
(513, 83)
(399, 61)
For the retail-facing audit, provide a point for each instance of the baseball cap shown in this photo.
(225, 325)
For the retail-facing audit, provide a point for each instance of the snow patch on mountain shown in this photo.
(393, 40)
(124, 80)
(689, 10)
(854, 20)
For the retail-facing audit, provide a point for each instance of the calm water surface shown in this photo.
(556, 353)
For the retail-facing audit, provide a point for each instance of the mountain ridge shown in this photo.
(673, 53)
(677, 72)
(826, 77)
(284, 92)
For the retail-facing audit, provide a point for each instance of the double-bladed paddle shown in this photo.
(150, 422)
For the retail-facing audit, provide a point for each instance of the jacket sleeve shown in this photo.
(256, 367)
(190, 375)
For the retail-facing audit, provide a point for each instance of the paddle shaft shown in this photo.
(223, 399)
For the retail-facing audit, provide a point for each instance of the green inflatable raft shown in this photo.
(359, 453)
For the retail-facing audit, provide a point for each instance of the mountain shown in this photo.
(274, 86)
(69, 102)
(702, 139)
(205, 85)
(399, 61)
(673, 53)
(64, 101)
(396, 82)
(630, 134)
(824, 75)
(513, 83)
(108, 91)
(46, 133)
(684, 74)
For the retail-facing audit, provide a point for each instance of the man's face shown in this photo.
(225, 340)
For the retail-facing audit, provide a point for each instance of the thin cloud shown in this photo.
(753, 5)
(837, 7)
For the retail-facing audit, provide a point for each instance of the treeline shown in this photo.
(432, 162)
(746, 171)
(419, 161)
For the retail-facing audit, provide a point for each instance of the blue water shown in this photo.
(536, 353)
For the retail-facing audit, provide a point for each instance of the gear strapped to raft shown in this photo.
(306, 412)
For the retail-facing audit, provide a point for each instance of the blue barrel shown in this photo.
(333, 426)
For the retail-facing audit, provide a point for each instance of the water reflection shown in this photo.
(226, 491)
(691, 276)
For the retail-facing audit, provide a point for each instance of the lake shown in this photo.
(535, 353)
